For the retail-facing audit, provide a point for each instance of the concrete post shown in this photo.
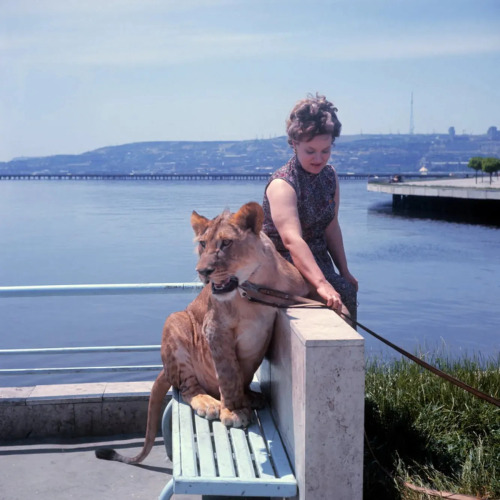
(314, 377)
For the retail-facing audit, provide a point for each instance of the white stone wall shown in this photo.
(314, 376)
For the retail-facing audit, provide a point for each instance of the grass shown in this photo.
(423, 430)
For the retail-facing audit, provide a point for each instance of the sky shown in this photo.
(78, 75)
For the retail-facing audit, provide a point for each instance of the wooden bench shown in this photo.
(210, 459)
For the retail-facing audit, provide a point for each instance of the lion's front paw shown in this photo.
(236, 418)
(206, 406)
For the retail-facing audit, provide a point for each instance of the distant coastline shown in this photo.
(352, 155)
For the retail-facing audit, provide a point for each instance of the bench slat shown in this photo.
(242, 454)
(258, 445)
(205, 448)
(235, 487)
(274, 444)
(176, 432)
(188, 451)
(223, 449)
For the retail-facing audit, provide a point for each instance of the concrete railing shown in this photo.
(314, 377)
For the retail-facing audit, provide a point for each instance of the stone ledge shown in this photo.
(74, 393)
(74, 410)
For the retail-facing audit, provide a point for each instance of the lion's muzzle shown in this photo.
(226, 286)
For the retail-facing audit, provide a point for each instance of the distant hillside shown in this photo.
(356, 154)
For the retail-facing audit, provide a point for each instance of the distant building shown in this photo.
(493, 134)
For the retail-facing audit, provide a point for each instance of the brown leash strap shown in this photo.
(260, 294)
(432, 369)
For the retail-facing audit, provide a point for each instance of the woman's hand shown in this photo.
(330, 296)
(351, 279)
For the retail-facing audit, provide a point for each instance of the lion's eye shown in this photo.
(225, 243)
(203, 244)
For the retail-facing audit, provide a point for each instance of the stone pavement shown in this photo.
(64, 469)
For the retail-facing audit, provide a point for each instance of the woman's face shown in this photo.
(313, 155)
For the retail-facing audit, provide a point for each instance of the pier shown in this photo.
(467, 195)
(154, 177)
(133, 177)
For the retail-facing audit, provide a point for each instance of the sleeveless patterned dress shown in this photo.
(316, 209)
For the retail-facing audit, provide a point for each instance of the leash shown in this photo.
(260, 294)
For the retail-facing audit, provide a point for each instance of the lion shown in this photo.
(211, 350)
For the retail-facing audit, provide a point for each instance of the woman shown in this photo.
(301, 203)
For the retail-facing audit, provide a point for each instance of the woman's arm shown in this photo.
(335, 243)
(283, 205)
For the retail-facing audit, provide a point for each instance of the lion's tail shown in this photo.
(158, 393)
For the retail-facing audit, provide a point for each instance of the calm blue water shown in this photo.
(424, 283)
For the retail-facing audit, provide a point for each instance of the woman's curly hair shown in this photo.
(311, 117)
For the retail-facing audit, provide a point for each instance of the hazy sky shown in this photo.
(76, 75)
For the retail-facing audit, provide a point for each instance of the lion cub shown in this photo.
(211, 350)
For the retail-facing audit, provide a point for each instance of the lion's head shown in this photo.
(229, 246)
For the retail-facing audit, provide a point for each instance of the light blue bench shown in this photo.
(210, 459)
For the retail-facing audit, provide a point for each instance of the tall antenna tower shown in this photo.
(412, 125)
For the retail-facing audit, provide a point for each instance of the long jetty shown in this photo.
(152, 177)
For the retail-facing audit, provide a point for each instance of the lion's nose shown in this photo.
(206, 271)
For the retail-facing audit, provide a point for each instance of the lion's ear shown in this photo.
(249, 216)
(198, 223)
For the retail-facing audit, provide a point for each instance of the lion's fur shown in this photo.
(211, 350)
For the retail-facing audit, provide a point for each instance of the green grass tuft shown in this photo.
(424, 430)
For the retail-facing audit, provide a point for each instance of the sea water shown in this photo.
(424, 283)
